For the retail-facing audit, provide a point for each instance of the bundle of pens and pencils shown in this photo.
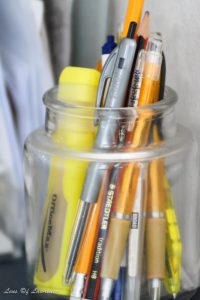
(106, 253)
(126, 208)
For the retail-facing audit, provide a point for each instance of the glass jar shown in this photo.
(112, 202)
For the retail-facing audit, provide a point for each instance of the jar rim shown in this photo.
(169, 148)
(51, 101)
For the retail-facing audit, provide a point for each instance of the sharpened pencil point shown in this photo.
(144, 28)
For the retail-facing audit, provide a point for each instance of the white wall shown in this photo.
(179, 22)
(91, 23)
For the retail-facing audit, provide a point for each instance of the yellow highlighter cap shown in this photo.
(78, 85)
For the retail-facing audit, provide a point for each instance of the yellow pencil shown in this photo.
(133, 14)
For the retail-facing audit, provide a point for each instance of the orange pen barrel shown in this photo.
(156, 196)
(150, 83)
(156, 221)
(124, 199)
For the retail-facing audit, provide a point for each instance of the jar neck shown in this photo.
(129, 128)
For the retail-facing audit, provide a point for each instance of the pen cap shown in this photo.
(154, 48)
(109, 45)
(155, 42)
(78, 86)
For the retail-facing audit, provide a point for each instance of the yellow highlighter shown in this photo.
(172, 278)
(76, 86)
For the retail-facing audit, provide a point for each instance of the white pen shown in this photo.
(136, 240)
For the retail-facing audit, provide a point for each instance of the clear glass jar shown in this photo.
(137, 219)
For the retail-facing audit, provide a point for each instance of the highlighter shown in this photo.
(77, 86)
(172, 278)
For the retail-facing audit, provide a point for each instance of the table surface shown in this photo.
(13, 283)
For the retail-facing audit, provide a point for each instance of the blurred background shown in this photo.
(38, 38)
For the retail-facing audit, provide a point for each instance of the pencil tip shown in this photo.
(144, 28)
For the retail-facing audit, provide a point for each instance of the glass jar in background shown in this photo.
(112, 194)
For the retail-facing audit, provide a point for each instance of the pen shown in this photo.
(120, 285)
(147, 91)
(156, 227)
(138, 64)
(118, 230)
(150, 82)
(155, 223)
(118, 68)
(92, 287)
(136, 235)
(162, 77)
(136, 83)
(138, 69)
(85, 255)
(136, 240)
(172, 280)
(136, 72)
(107, 48)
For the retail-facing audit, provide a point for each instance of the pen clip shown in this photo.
(106, 73)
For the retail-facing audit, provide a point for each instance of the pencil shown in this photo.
(133, 14)
(143, 31)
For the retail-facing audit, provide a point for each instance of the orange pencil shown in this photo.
(133, 14)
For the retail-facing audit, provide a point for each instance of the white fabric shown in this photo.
(11, 178)
(24, 77)
(26, 70)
